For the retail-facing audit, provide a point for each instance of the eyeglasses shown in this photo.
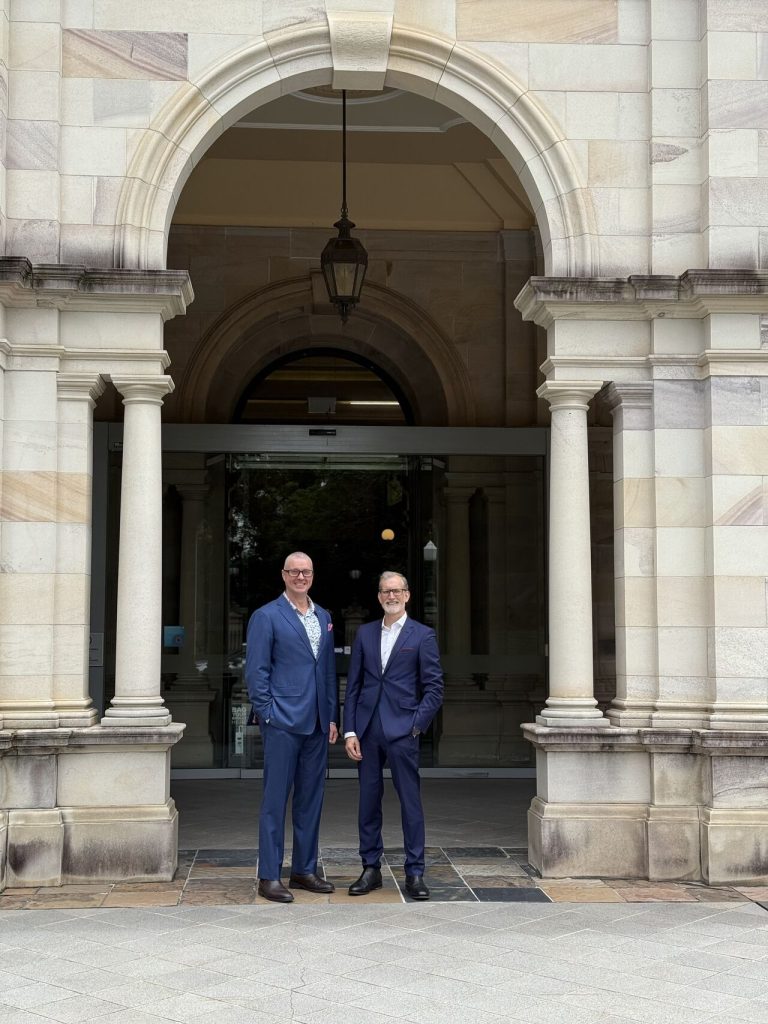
(295, 573)
(393, 593)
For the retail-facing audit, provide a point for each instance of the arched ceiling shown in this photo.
(412, 164)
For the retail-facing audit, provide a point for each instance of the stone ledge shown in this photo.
(694, 294)
(97, 737)
(668, 740)
(66, 286)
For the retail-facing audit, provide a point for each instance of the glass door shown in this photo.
(467, 530)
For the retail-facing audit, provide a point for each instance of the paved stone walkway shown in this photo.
(463, 962)
(455, 874)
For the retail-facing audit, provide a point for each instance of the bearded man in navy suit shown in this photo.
(290, 670)
(394, 690)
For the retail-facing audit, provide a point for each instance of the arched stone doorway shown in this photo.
(440, 380)
(303, 56)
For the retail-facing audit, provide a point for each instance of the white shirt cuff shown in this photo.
(348, 734)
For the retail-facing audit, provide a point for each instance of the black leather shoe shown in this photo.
(367, 882)
(274, 890)
(416, 887)
(312, 883)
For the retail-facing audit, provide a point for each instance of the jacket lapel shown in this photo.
(372, 639)
(292, 618)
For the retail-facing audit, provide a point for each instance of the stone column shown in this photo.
(137, 700)
(637, 674)
(571, 698)
(77, 394)
(28, 532)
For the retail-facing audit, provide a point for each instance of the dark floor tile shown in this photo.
(227, 858)
(473, 852)
(531, 871)
(394, 856)
(443, 874)
(517, 894)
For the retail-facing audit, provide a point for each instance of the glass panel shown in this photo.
(467, 532)
(345, 278)
(351, 515)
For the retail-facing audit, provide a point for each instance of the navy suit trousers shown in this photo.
(291, 760)
(402, 757)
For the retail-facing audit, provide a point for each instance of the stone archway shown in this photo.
(388, 329)
(303, 56)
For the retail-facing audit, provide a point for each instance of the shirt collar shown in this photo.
(397, 625)
(310, 609)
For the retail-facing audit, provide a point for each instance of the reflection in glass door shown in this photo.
(354, 516)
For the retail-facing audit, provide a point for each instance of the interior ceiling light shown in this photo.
(344, 260)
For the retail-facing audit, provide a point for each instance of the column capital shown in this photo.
(566, 394)
(79, 387)
(638, 394)
(144, 390)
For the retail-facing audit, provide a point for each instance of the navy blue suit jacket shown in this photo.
(408, 692)
(286, 684)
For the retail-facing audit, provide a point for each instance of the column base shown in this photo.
(35, 847)
(733, 847)
(567, 720)
(125, 713)
(628, 718)
(74, 815)
(50, 718)
(741, 721)
(571, 711)
(576, 841)
(136, 722)
(660, 803)
(679, 716)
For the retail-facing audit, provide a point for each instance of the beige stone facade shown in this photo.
(586, 257)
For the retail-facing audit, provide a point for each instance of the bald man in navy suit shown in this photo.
(394, 690)
(290, 670)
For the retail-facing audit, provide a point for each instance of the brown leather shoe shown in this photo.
(311, 882)
(273, 889)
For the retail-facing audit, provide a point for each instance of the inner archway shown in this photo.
(323, 385)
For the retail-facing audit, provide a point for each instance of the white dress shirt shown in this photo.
(389, 635)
